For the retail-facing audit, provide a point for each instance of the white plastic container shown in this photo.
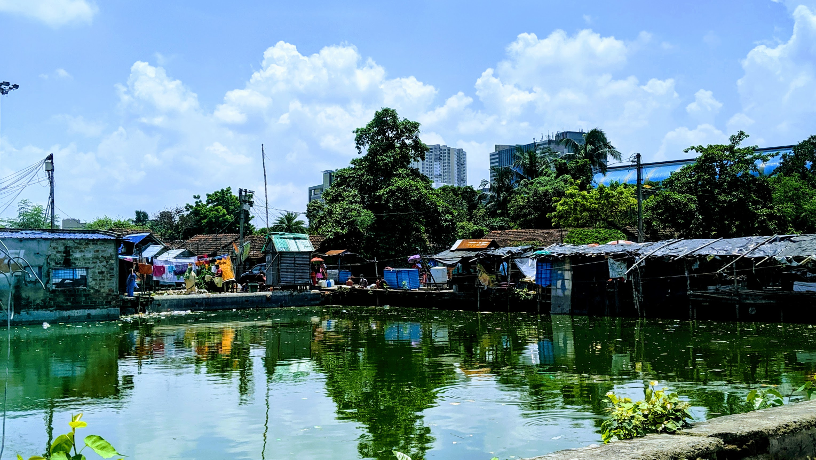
(440, 275)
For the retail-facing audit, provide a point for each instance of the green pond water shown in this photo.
(350, 382)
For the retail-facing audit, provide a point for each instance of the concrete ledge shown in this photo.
(62, 316)
(652, 447)
(787, 432)
(210, 302)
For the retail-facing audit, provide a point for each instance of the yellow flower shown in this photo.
(653, 383)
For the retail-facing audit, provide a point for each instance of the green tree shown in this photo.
(800, 161)
(532, 163)
(607, 207)
(722, 194)
(794, 204)
(111, 223)
(288, 222)
(467, 206)
(170, 224)
(580, 170)
(141, 218)
(596, 148)
(380, 205)
(501, 192)
(218, 213)
(29, 216)
(535, 199)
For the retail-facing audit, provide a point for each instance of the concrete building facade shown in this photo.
(503, 155)
(444, 165)
(79, 270)
(316, 191)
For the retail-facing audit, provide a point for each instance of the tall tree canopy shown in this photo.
(29, 216)
(380, 205)
(596, 148)
(722, 194)
(288, 222)
(218, 213)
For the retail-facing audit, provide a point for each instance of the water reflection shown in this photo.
(335, 382)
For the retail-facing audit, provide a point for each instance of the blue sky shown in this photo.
(145, 104)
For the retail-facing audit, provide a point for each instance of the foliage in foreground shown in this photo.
(658, 413)
(61, 447)
(763, 399)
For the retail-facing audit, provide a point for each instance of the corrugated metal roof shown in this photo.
(472, 244)
(54, 235)
(336, 252)
(135, 237)
(152, 250)
(174, 254)
(290, 242)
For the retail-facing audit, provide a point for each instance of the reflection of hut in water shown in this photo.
(287, 259)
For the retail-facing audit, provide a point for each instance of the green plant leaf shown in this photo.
(59, 456)
(100, 446)
(77, 424)
(36, 457)
(400, 455)
(63, 443)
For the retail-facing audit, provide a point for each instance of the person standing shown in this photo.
(131, 283)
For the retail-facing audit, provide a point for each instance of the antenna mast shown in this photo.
(266, 195)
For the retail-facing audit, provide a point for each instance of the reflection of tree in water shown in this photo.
(224, 351)
(382, 384)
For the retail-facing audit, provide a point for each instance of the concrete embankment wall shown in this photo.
(210, 302)
(787, 432)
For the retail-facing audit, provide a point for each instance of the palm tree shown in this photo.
(532, 163)
(596, 148)
(501, 190)
(288, 222)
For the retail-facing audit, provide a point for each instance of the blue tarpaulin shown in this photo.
(543, 276)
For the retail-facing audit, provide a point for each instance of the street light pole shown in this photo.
(5, 88)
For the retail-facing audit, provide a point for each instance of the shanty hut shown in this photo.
(287, 259)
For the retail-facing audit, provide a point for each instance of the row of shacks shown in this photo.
(86, 270)
(286, 256)
(756, 277)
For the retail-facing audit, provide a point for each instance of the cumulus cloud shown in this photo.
(79, 125)
(778, 87)
(166, 146)
(54, 13)
(705, 106)
(677, 140)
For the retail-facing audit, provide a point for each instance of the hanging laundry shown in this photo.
(145, 269)
(158, 271)
(227, 272)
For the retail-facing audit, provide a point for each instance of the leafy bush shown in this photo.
(593, 235)
(763, 399)
(658, 413)
(61, 447)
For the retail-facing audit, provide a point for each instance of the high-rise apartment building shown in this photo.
(316, 191)
(444, 165)
(503, 156)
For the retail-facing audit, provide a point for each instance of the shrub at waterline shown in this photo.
(658, 413)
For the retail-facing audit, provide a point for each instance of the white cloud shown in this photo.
(711, 39)
(54, 13)
(58, 74)
(79, 125)
(778, 88)
(165, 146)
(677, 140)
(704, 107)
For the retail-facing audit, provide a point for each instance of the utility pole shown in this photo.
(266, 194)
(49, 170)
(639, 196)
(245, 201)
(6, 87)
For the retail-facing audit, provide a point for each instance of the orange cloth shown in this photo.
(226, 269)
(145, 269)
